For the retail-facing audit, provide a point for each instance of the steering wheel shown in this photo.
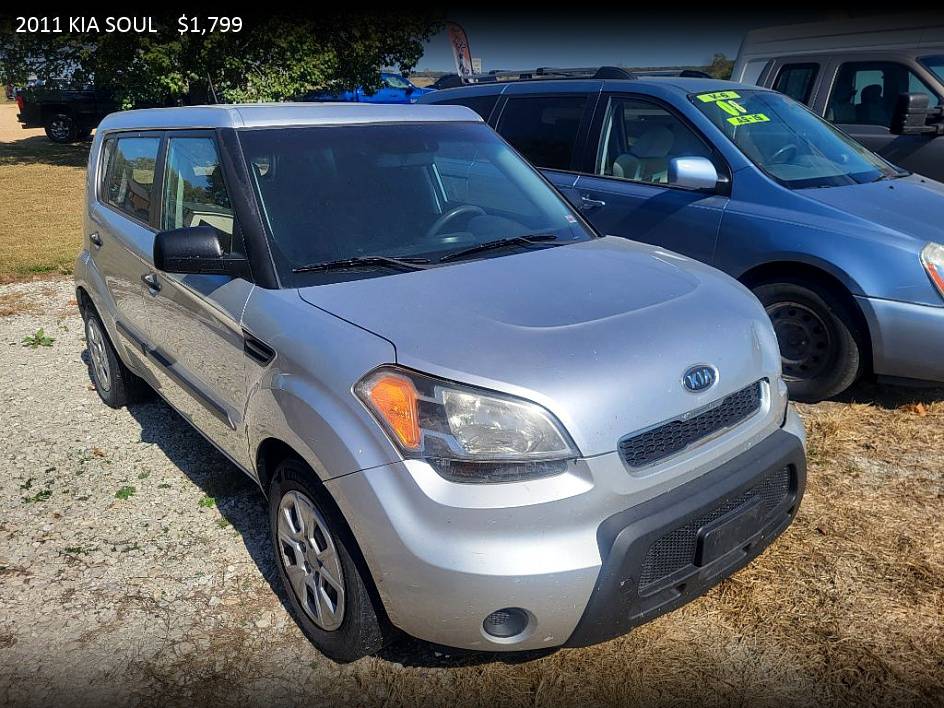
(791, 148)
(452, 214)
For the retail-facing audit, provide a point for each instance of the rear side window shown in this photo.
(796, 80)
(128, 175)
(543, 128)
(482, 105)
(194, 192)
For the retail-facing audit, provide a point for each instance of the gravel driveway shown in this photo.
(135, 568)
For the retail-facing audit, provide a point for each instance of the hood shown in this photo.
(598, 332)
(908, 208)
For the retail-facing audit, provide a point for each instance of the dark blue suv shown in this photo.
(842, 247)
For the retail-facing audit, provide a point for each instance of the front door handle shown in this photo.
(96, 239)
(150, 279)
(586, 203)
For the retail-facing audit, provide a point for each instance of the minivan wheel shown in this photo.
(819, 342)
(115, 383)
(327, 592)
(60, 128)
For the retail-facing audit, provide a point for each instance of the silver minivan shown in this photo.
(476, 421)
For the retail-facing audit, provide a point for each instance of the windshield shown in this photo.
(788, 142)
(394, 81)
(935, 65)
(419, 190)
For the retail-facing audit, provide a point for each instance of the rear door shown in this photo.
(549, 129)
(121, 225)
(194, 320)
(624, 189)
(861, 97)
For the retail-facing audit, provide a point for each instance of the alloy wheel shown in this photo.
(311, 561)
(95, 340)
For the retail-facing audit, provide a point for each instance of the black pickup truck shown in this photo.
(67, 112)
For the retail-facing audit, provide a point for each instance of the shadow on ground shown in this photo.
(40, 150)
(890, 397)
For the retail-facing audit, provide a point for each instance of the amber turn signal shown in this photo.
(394, 398)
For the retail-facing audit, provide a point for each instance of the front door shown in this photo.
(628, 193)
(194, 320)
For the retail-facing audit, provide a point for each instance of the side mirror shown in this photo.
(913, 114)
(195, 250)
(693, 173)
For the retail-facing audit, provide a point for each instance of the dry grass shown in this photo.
(43, 192)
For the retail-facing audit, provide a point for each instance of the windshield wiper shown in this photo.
(401, 263)
(500, 243)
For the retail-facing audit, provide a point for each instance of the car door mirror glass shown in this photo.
(693, 173)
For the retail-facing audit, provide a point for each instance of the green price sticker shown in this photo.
(748, 119)
(717, 96)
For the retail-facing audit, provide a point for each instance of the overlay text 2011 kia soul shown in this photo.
(476, 421)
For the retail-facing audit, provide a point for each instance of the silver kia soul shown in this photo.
(477, 422)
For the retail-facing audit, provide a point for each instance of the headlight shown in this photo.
(468, 434)
(932, 258)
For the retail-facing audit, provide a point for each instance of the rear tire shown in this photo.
(61, 129)
(115, 383)
(322, 570)
(820, 343)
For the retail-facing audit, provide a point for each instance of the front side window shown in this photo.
(394, 81)
(128, 175)
(194, 192)
(796, 80)
(790, 143)
(865, 93)
(397, 190)
(639, 138)
(543, 128)
(935, 65)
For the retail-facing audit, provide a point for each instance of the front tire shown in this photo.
(819, 341)
(61, 129)
(327, 588)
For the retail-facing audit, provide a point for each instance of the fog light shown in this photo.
(505, 623)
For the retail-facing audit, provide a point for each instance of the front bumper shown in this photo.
(907, 339)
(566, 550)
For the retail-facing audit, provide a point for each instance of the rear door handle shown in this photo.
(96, 239)
(150, 279)
(587, 203)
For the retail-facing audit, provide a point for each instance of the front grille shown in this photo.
(676, 549)
(676, 435)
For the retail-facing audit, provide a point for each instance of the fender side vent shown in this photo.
(257, 350)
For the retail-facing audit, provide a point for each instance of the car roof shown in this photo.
(264, 115)
(583, 85)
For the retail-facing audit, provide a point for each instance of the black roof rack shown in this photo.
(548, 72)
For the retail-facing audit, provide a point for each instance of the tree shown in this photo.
(720, 67)
(271, 58)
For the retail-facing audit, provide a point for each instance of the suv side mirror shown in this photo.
(693, 173)
(195, 250)
(911, 115)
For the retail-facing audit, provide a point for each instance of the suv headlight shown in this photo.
(468, 434)
(932, 258)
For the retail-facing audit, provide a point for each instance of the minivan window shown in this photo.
(543, 128)
(482, 105)
(796, 81)
(128, 175)
(640, 137)
(865, 93)
(788, 142)
(194, 192)
(405, 190)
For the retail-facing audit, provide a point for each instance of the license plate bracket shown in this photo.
(730, 531)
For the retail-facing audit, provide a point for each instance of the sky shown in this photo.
(524, 40)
